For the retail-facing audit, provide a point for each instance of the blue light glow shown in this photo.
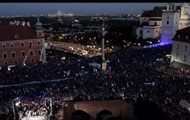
(159, 44)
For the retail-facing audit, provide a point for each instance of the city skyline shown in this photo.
(7, 9)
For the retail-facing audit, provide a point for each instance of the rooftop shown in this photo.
(16, 32)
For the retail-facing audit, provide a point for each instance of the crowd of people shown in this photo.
(133, 74)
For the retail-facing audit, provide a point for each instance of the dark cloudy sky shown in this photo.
(75, 8)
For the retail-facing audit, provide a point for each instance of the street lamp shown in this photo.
(15, 103)
(103, 47)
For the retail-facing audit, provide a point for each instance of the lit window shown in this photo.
(178, 36)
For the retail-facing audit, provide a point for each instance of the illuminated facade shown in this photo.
(163, 22)
(181, 46)
(20, 43)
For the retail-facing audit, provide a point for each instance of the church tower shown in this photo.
(185, 16)
(170, 23)
(39, 29)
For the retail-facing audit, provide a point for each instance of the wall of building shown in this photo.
(184, 21)
(17, 48)
(116, 107)
(158, 22)
(151, 32)
(170, 24)
(178, 53)
(138, 32)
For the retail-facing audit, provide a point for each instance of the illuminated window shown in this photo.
(178, 36)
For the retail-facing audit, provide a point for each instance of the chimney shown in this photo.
(23, 23)
(28, 23)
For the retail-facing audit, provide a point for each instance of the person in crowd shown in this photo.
(142, 74)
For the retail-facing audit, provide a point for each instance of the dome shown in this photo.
(38, 23)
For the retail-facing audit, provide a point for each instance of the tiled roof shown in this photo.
(183, 33)
(146, 13)
(157, 11)
(16, 32)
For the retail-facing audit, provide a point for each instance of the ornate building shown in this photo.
(20, 44)
(163, 22)
(181, 46)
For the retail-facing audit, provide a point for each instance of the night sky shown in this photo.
(76, 8)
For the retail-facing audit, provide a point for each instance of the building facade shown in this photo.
(181, 46)
(163, 22)
(170, 23)
(20, 44)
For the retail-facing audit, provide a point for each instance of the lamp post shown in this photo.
(103, 47)
(15, 103)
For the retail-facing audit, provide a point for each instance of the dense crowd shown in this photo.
(133, 74)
